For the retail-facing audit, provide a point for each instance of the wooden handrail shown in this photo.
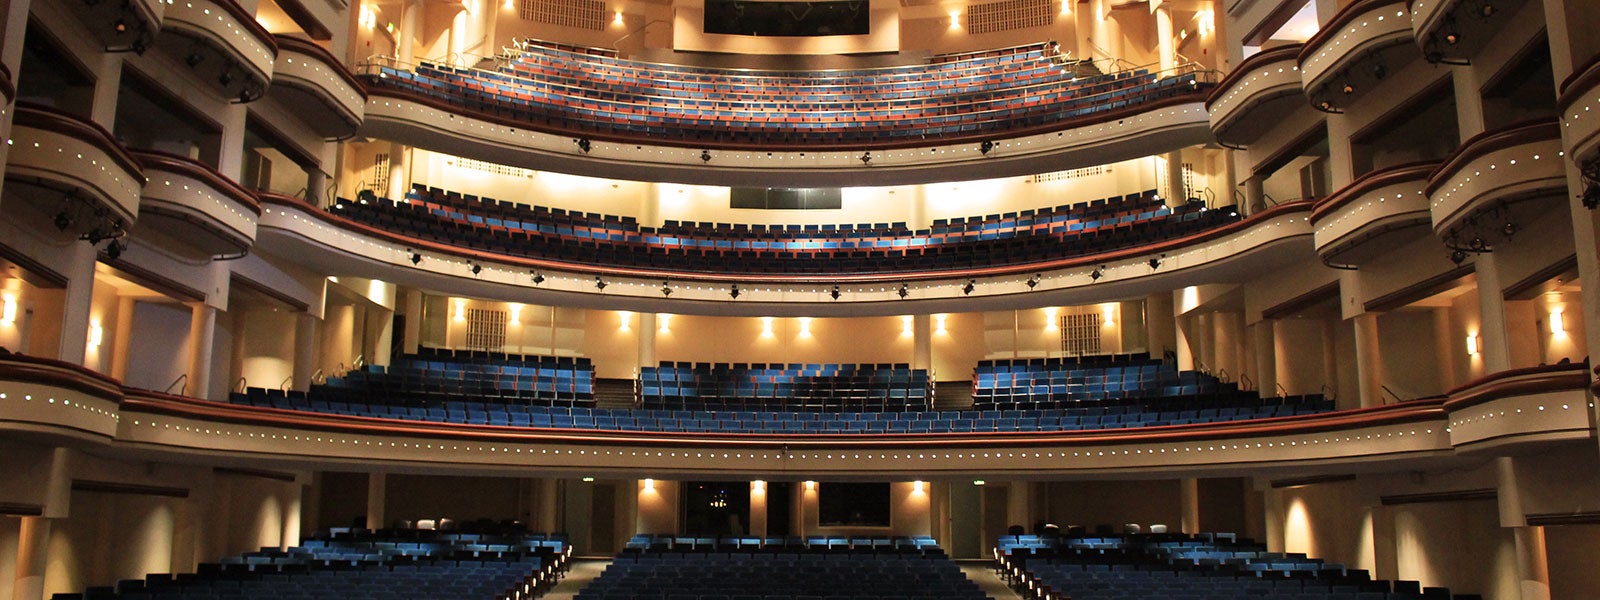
(1371, 181)
(294, 44)
(162, 161)
(1248, 67)
(1515, 134)
(47, 118)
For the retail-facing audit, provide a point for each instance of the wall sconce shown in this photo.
(96, 333)
(1558, 324)
(938, 324)
(906, 326)
(511, 4)
(617, 20)
(588, 480)
(461, 310)
(516, 313)
(650, 486)
(917, 487)
(758, 487)
(811, 486)
(369, 17)
(978, 482)
(766, 327)
(1050, 319)
(805, 327)
(1109, 315)
(955, 19)
(8, 310)
(666, 323)
(623, 318)
(1472, 344)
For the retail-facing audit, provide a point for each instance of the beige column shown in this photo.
(406, 46)
(399, 169)
(1533, 566)
(1255, 196)
(1164, 40)
(1189, 502)
(119, 339)
(647, 338)
(1369, 360)
(1266, 359)
(77, 299)
(305, 350)
(1176, 194)
(1019, 497)
(549, 496)
(411, 307)
(758, 509)
(291, 516)
(202, 335)
(1493, 339)
(922, 341)
(377, 498)
(33, 547)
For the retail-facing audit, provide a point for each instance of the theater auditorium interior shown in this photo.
(796, 300)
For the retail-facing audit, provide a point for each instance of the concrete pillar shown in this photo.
(1385, 552)
(758, 509)
(1493, 338)
(1469, 100)
(316, 182)
(549, 495)
(1227, 343)
(647, 337)
(305, 351)
(411, 307)
(1164, 40)
(1176, 194)
(107, 69)
(406, 46)
(1369, 360)
(77, 299)
(1186, 360)
(1533, 566)
(1160, 324)
(922, 341)
(377, 498)
(1266, 359)
(1230, 180)
(1330, 360)
(650, 206)
(202, 334)
(1341, 155)
(1019, 496)
(15, 26)
(919, 208)
(399, 165)
(1255, 196)
(1272, 502)
(119, 339)
(33, 549)
(230, 154)
(1189, 503)
(291, 517)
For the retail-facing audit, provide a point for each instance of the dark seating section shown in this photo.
(461, 386)
(1129, 380)
(1206, 566)
(347, 564)
(655, 568)
(784, 387)
(567, 90)
(1015, 238)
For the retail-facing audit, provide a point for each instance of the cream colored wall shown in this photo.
(929, 28)
(167, 325)
(1033, 333)
(102, 316)
(742, 339)
(268, 342)
(1332, 522)
(657, 507)
(1114, 503)
(1571, 550)
(1458, 545)
(1411, 354)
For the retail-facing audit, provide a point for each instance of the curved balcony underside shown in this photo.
(1369, 218)
(313, 237)
(197, 205)
(122, 26)
(1493, 171)
(1257, 96)
(318, 88)
(1144, 130)
(1515, 408)
(1359, 47)
(1455, 30)
(224, 46)
(1579, 106)
(66, 154)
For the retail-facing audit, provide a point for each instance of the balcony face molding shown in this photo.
(1379, 203)
(1495, 169)
(71, 154)
(313, 237)
(317, 88)
(1159, 127)
(197, 205)
(1256, 95)
(228, 29)
(1362, 34)
(1579, 106)
(1538, 404)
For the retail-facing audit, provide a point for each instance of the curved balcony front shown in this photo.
(1360, 46)
(1455, 30)
(339, 245)
(1579, 106)
(1515, 409)
(69, 155)
(222, 44)
(1366, 219)
(317, 88)
(1479, 187)
(1256, 96)
(197, 205)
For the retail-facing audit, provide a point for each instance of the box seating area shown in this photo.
(787, 571)
(576, 91)
(1019, 238)
(358, 564)
(1175, 566)
(869, 388)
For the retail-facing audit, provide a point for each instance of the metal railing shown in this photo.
(184, 381)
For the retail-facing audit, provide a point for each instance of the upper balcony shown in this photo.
(1256, 96)
(1474, 195)
(194, 203)
(1454, 30)
(1579, 105)
(966, 118)
(1364, 220)
(222, 43)
(122, 26)
(62, 154)
(1360, 46)
(317, 88)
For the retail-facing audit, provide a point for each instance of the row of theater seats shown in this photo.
(801, 571)
(433, 379)
(359, 565)
(604, 241)
(784, 387)
(768, 422)
(646, 542)
(1043, 383)
(555, 88)
(1182, 567)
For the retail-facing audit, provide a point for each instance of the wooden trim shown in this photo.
(897, 276)
(294, 44)
(257, 473)
(1560, 382)
(1516, 134)
(1512, 373)
(1533, 281)
(1432, 497)
(162, 161)
(21, 367)
(35, 272)
(1417, 291)
(1584, 75)
(155, 281)
(1336, 25)
(1248, 66)
(296, 9)
(15, 509)
(1371, 181)
(552, 127)
(1279, 484)
(1296, 304)
(113, 487)
(235, 279)
(46, 118)
(1573, 518)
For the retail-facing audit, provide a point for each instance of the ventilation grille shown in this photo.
(1070, 174)
(489, 167)
(1080, 334)
(486, 329)
(582, 14)
(1009, 15)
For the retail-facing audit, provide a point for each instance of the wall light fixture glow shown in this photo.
(938, 324)
(624, 320)
(1208, 21)
(8, 310)
(917, 487)
(955, 19)
(1558, 324)
(1050, 319)
(516, 313)
(461, 309)
(1109, 315)
(1472, 344)
(766, 327)
(617, 20)
(758, 487)
(805, 327)
(811, 486)
(96, 333)
(369, 17)
(650, 485)
(665, 321)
